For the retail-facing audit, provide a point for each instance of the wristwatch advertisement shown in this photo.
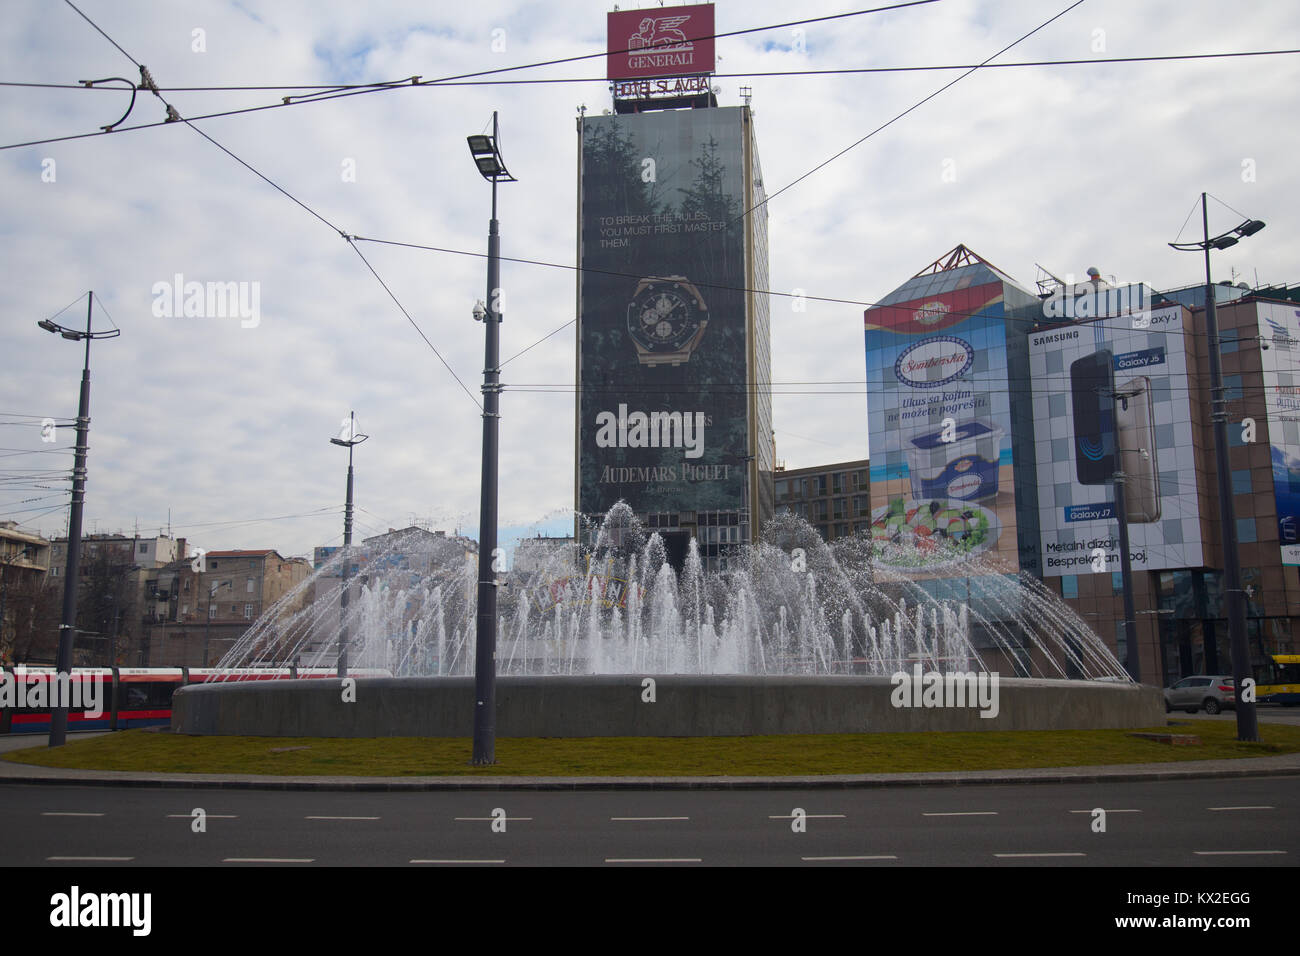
(666, 319)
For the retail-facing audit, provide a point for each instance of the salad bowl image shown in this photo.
(923, 534)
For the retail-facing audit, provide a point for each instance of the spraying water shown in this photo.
(790, 605)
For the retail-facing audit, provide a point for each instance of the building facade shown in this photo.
(1023, 410)
(673, 413)
(197, 610)
(24, 564)
(113, 592)
(835, 499)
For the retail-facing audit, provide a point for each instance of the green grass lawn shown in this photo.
(802, 755)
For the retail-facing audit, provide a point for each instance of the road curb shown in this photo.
(1100, 774)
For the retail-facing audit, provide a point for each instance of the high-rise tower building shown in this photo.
(673, 411)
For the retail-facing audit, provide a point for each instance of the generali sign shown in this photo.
(660, 41)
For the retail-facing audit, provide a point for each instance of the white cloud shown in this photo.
(1069, 166)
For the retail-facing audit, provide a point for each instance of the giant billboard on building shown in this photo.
(662, 349)
(942, 368)
(660, 41)
(1279, 328)
(1113, 395)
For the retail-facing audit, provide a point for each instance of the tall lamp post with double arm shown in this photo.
(1247, 724)
(67, 629)
(349, 443)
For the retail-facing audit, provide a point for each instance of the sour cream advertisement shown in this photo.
(942, 376)
(934, 362)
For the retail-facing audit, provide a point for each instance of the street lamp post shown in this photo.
(487, 157)
(352, 441)
(59, 712)
(1247, 724)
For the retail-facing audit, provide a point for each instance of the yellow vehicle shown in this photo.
(1278, 682)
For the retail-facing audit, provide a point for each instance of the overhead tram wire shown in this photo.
(587, 270)
(352, 239)
(846, 71)
(415, 81)
(347, 238)
(915, 106)
(410, 82)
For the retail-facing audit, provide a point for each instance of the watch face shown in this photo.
(663, 317)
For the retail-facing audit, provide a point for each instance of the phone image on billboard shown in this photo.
(1092, 393)
(1135, 430)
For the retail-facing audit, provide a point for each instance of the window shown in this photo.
(837, 483)
(1070, 586)
(1246, 531)
(144, 549)
(1117, 582)
(54, 572)
(841, 508)
(860, 479)
(250, 585)
(1232, 388)
(212, 564)
(212, 611)
(252, 565)
(1241, 482)
(248, 612)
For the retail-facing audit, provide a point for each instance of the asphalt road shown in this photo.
(1239, 822)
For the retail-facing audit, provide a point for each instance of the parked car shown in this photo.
(1214, 692)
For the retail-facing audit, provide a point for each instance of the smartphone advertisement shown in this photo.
(1111, 396)
(1279, 328)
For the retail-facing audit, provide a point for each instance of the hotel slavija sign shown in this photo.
(660, 41)
(662, 404)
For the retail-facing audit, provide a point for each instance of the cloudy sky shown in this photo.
(227, 426)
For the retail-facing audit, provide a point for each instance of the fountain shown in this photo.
(810, 629)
